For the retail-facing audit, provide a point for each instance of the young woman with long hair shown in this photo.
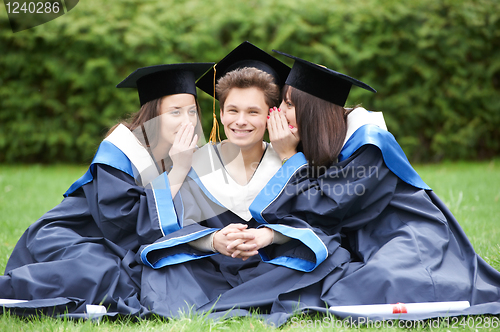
(82, 251)
(345, 174)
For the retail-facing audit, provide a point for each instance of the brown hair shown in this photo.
(321, 127)
(148, 111)
(248, 77)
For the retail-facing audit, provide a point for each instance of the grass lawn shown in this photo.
(470, 189)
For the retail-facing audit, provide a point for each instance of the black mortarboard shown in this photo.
(162, 80)
(321, 82)
(245, 55)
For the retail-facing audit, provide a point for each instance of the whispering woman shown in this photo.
(82, 251)
(344, 173)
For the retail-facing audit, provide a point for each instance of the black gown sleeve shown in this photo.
(126, 213)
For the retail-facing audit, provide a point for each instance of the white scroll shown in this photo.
(401, 308)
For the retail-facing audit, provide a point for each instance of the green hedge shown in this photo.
(435, 64)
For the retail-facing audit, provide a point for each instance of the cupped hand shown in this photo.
(183, 147)
(283, 137)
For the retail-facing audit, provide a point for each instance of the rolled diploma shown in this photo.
(91, 309)
(96, 309)
(402, 308)
(9, 301)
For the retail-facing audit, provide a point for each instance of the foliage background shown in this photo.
(435, 64)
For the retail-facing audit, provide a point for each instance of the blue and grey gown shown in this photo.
(82, 251)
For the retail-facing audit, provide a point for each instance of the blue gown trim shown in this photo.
(272, 190)
(178, 201)
(393, 155)
(177, 258)
(276, 185)
(194, 176)
(107, 154)
(308, 238)
(167, 216)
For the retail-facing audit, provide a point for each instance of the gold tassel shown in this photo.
(214, 134)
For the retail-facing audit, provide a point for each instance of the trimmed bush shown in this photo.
(435, 64)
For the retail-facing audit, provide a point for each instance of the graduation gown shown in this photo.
(404, 243)
(180, 279)
(82, 251)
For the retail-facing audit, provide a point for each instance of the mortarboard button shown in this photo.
(321, 81)
(154, 82)
(245, 55)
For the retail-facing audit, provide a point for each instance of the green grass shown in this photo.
(470, 189)
(26, 193)
(472, 192)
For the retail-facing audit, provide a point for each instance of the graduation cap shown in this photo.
(162, 80)
(321, 82)
(245, 55)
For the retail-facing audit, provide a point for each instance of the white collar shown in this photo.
(233, 196)
(145, 169)
(360, 117)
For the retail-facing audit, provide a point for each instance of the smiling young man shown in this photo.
(245, 96)
(234, 171)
